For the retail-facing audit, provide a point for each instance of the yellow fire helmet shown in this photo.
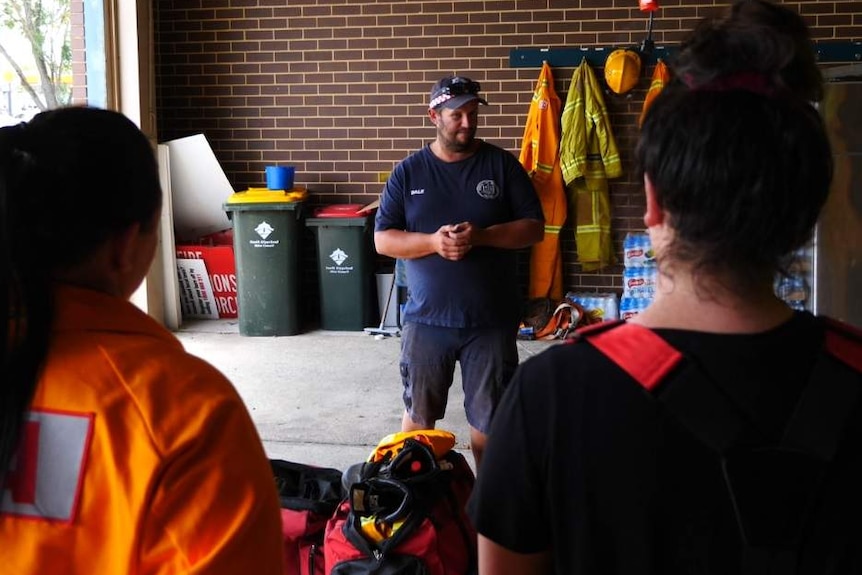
(440, 441)
(622, 70)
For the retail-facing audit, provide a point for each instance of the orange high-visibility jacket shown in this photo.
(540, 156)
(589, 157)
(136, 458)
(660, 78)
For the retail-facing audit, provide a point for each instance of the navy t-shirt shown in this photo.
(424, 193)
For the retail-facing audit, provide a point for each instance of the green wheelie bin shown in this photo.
(344, 256)
(266, 237)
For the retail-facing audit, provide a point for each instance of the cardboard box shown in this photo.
(199, 187)
(221, 269)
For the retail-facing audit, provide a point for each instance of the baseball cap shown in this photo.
(455, 91)
(622, 70)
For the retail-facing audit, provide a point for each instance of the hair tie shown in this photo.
(13, 145)
(12, 133)
(754, 82)
(12, 138)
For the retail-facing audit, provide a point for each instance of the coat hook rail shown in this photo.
(827, 52)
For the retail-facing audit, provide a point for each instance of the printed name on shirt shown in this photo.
(417, 192)
(48, 470)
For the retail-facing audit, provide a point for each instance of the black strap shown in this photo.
(702, 407)
(773, 489)
(836, 393)
(766, 561)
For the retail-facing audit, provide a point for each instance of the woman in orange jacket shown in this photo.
(119, 451)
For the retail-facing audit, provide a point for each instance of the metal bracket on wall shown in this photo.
(571, 57)
(827, 52)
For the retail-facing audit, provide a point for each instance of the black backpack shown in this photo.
(773, 489)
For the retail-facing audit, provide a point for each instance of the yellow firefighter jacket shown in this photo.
(589, 157)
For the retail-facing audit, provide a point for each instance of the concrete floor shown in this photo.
(324, 398)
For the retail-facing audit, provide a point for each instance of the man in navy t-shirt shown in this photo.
(455, 212)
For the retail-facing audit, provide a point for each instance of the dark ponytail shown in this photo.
(70, 179)
(736, 152)
(24, 299)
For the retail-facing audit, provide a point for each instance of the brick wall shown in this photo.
(79, 53)
(338, 88)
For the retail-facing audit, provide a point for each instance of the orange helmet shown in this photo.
(622, 70)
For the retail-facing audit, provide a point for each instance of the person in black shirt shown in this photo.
(584, 471)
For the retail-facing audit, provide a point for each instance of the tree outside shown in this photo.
(35, 56)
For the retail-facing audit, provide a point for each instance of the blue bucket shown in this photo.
(279, 177)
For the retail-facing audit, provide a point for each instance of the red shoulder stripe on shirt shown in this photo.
(637, 350)
(844, 342)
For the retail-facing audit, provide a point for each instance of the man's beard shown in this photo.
(453, 144)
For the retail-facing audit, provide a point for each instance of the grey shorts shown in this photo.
(488, 358)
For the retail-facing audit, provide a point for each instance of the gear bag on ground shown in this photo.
(405, 511)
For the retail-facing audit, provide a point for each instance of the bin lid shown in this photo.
(340, 211)
(267, 196)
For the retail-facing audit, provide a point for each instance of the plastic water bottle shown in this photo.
(798, 292)
(793, 289)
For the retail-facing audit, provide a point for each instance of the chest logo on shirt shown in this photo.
(488, 190)
(48, 470)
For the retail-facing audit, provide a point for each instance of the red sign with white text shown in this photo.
(221, 269)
